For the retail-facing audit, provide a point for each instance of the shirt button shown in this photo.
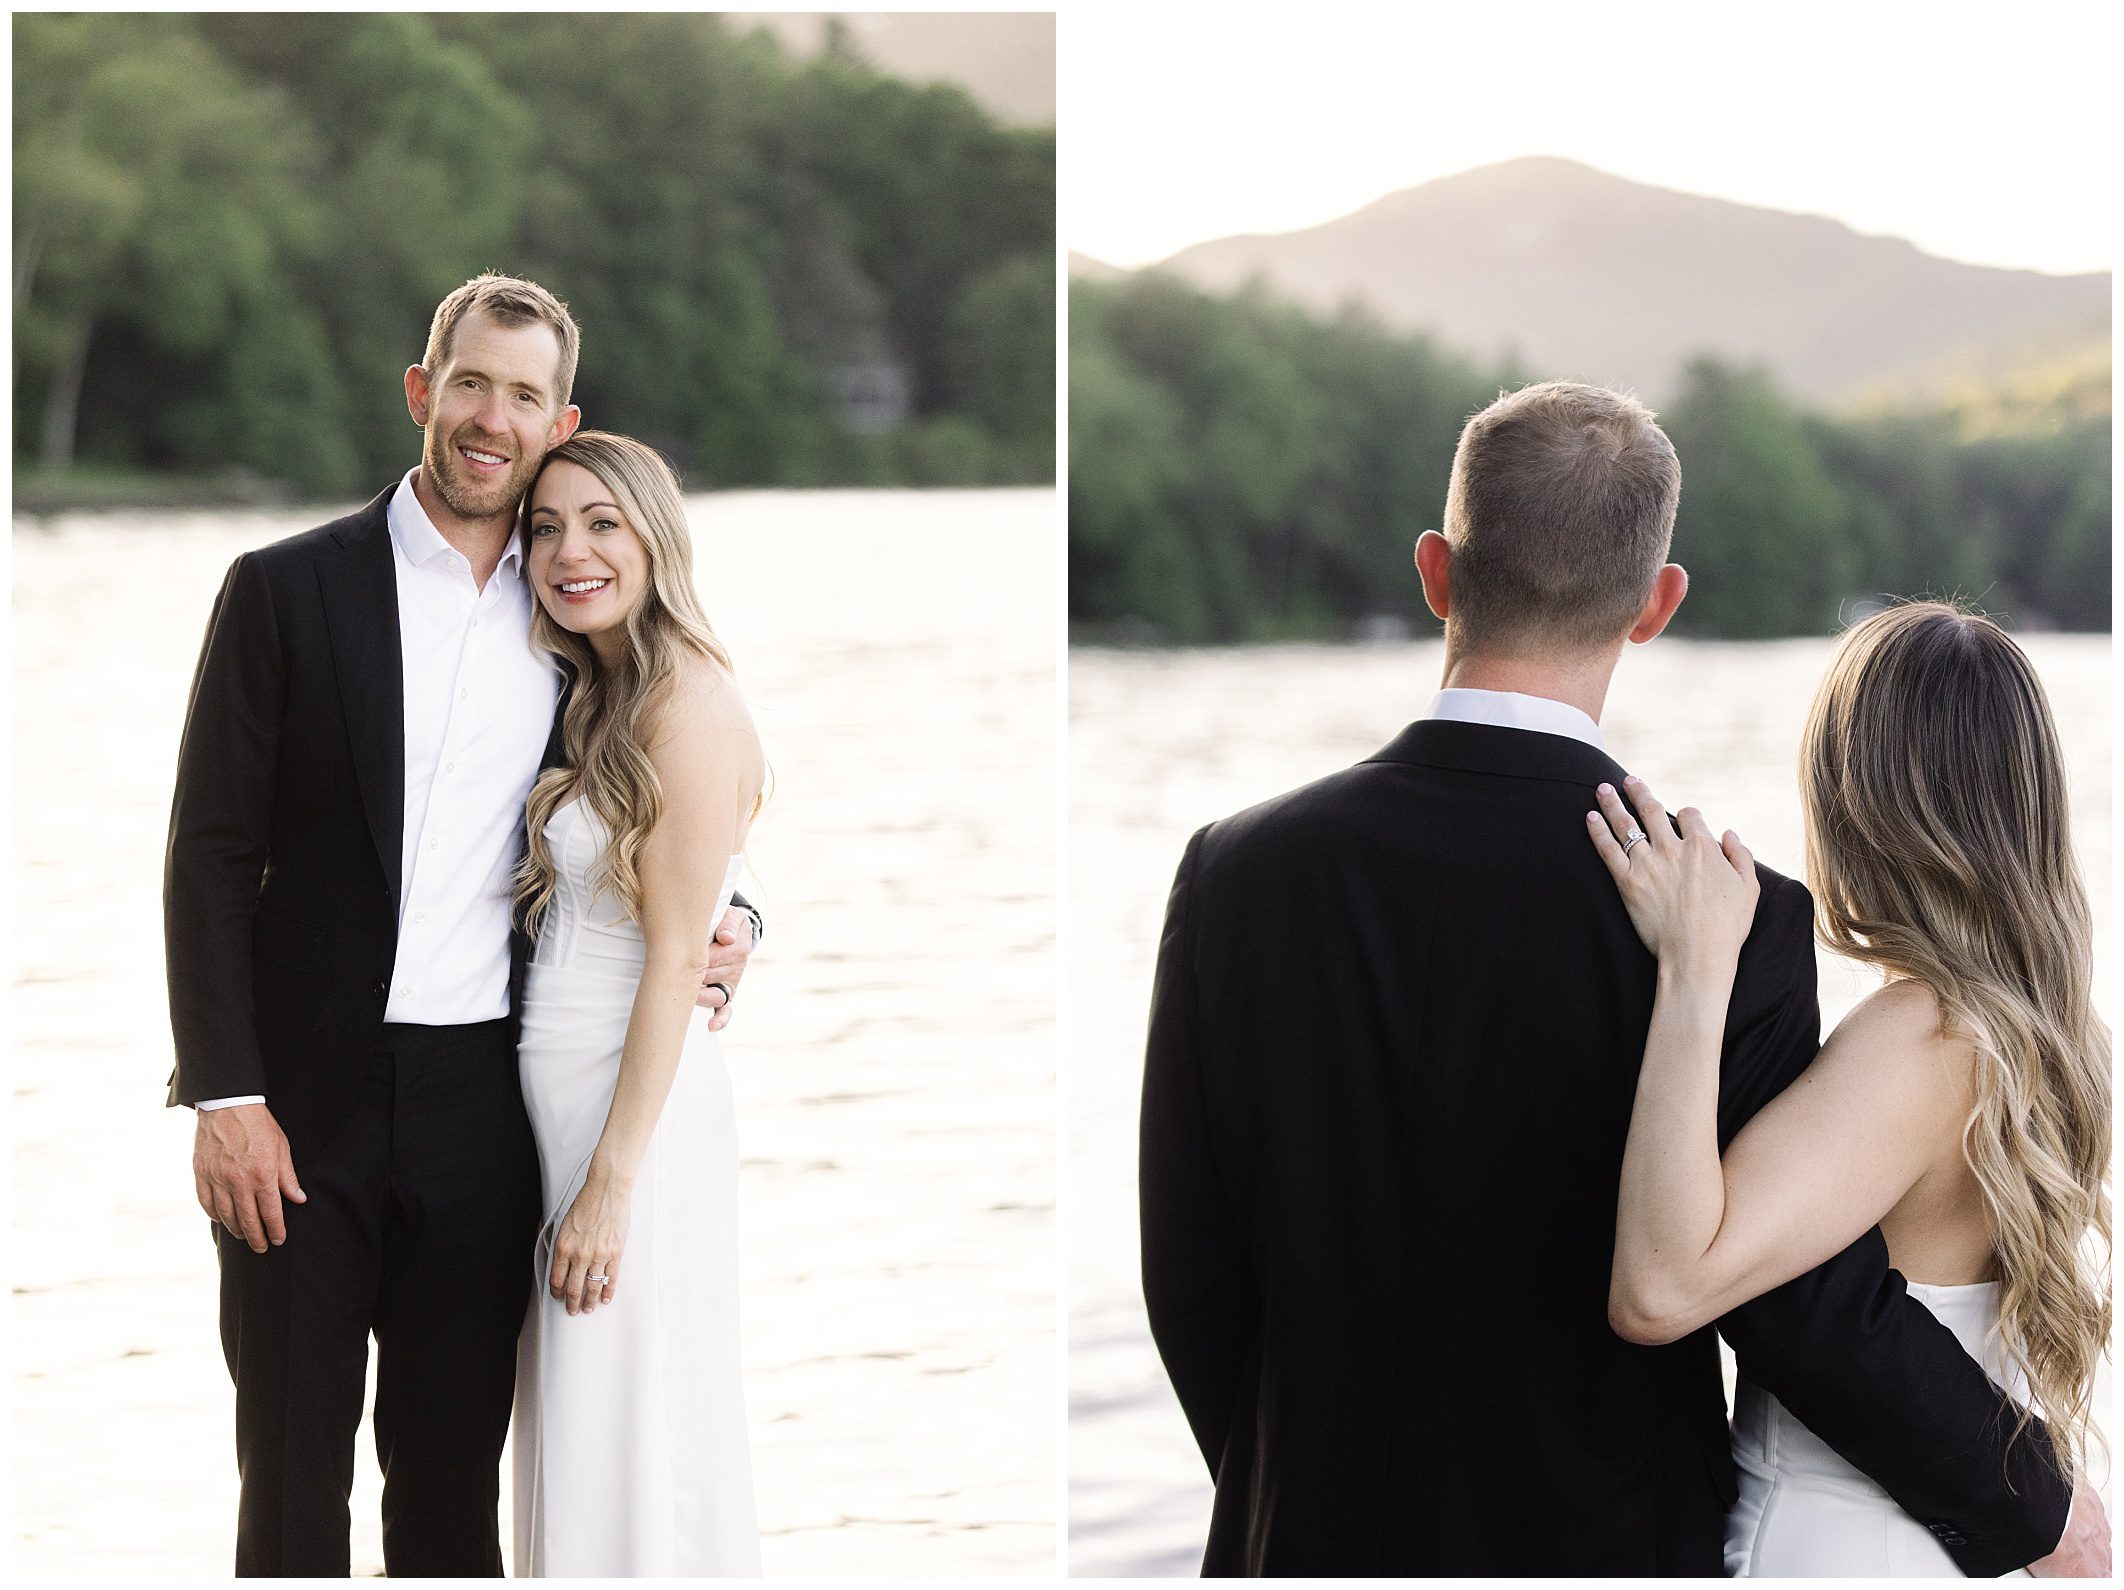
(449, 767)
(433, 843)
(464, 695)
(420, 916)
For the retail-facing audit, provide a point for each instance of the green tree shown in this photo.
(232, 231)
(1392, 408)
(425, 154)
(161, 199)
(1913, 530)
(2071, 575)
(1761, 523)
(1000, 360)
(639, 218)
(1129, 557)
(935, 191)
(1244, 469)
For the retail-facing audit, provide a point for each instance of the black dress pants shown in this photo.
(422, 1183)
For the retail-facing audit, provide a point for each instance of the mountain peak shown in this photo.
(1575, 272)
(1536, 166)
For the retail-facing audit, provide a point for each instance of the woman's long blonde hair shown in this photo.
(1939, 847)
(612, 712)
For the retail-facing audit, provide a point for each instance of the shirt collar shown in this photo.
(419, 542)
(1508, 709)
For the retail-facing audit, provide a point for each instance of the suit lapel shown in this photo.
(555, 749)
(360, 590)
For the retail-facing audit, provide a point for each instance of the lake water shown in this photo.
(893, 1052)
(1160, 743)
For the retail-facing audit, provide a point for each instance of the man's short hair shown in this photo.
(509, 301)
(1560, 513)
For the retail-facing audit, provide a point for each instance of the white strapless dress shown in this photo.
(631, 1456)
(1806, 1513)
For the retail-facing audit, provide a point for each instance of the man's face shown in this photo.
(490, 414)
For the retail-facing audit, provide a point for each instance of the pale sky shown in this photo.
(1980, 133)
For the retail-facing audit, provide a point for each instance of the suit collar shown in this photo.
(1510, 709)
(370, 520)
(1510, 753)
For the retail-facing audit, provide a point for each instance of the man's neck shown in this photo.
(1580, 681)
(481, 541)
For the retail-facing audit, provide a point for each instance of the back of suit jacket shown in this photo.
(1380, 1158)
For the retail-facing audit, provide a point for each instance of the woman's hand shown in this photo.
(1690, 896)
(587, 1247)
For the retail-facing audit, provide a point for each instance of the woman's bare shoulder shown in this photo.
(1903, 1025)
(703, 698)
(703, 720)
(1904, 1006)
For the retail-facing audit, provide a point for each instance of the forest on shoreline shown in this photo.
(231, 230)
(1245, 470)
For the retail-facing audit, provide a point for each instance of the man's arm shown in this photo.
(1197, 1283)
(1857, 1360)
(220, 823)
(742, 929)
(751, 913)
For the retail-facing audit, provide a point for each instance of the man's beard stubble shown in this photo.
(464, 494)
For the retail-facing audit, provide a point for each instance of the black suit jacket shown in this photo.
(281, 880)
(1379, 1164)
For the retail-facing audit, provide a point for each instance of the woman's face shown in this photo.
(587, 565)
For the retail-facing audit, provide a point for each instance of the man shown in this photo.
(367, 718)
(1380, 1151)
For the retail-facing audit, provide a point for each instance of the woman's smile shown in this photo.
(581, 592)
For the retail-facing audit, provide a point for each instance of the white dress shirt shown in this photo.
(479, 709)
(1508, 709)
(479, 700)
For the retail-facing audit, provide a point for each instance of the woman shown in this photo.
(631, 1457)
(1963, 1108)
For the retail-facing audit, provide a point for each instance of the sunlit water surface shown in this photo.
(1160, 743)
(893, 1055)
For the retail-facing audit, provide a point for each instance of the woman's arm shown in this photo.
(1817, 1167)
(708, 762)
(1822, 1164)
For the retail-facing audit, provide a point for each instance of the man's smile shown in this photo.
(485, 462)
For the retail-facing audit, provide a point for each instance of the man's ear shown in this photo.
(417, 395)
(1434, 556)
(564, 426)
(1669, 586)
